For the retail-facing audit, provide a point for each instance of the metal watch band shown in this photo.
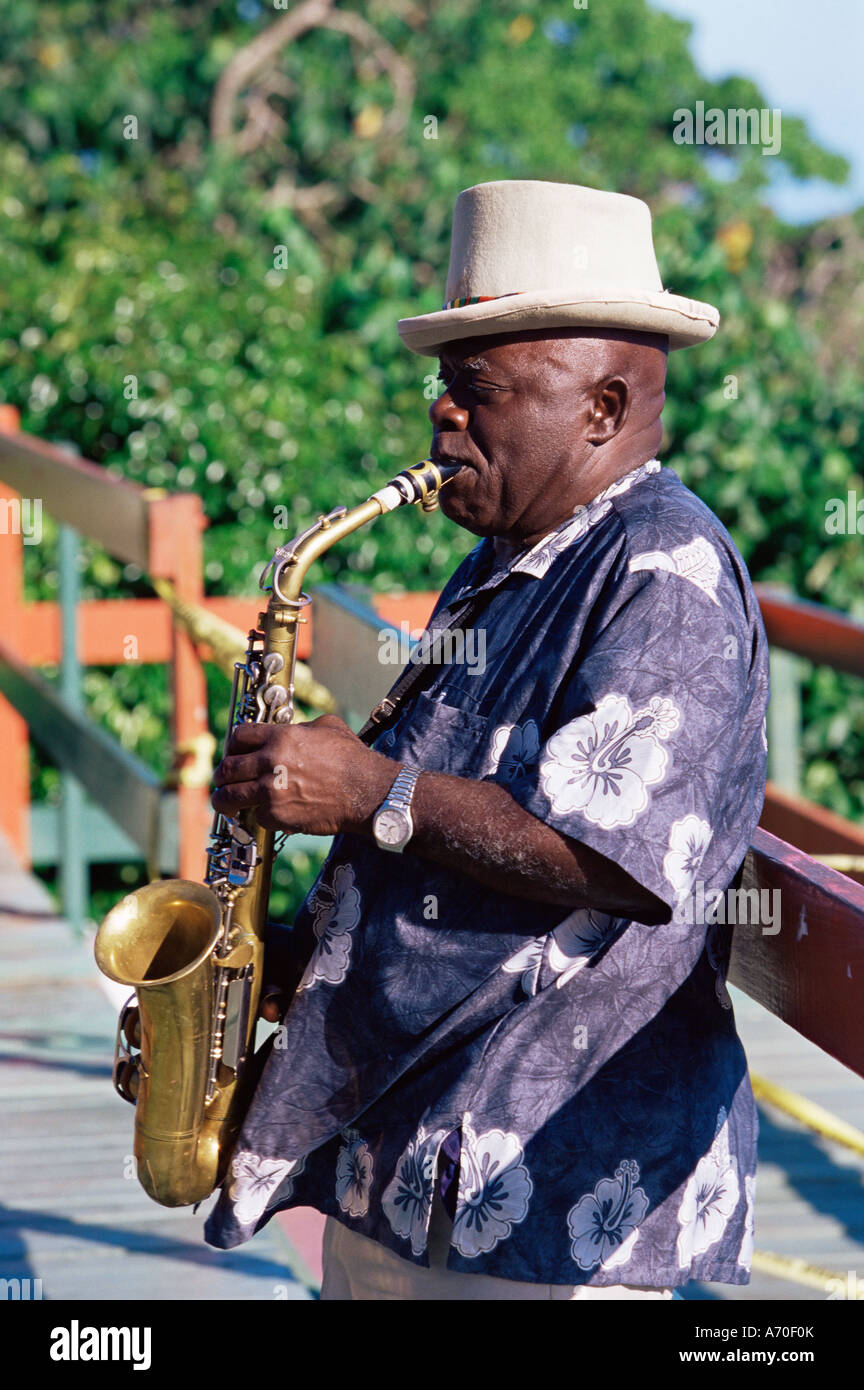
(402, 790)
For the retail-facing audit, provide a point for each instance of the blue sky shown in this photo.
(807, 59)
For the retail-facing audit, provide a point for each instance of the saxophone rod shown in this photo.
(283, 575)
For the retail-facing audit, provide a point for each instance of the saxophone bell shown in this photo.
(159, 941)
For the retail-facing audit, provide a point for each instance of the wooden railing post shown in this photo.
(14, 734)
(176, 553)
(784, 721)
(74, 866)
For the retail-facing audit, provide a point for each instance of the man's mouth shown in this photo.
(438, 457)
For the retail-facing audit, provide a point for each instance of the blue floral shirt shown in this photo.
(590, 1064)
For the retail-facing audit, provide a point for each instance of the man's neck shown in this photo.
(506, 549)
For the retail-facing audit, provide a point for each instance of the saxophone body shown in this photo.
(193, 952)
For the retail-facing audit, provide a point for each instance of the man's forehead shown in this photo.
(467, 350)
(497, 347)
(486, 353)
(504, 359)
(566, 349)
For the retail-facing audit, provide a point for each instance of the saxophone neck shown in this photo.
(283, 576)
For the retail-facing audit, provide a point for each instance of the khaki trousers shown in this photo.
(359, 1269)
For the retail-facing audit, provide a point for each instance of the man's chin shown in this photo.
(462, 505)
(477, 520)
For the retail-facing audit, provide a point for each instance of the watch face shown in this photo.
(392, 827)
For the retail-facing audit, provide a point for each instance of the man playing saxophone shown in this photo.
(507, 1065)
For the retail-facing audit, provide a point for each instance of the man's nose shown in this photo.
(445, 414)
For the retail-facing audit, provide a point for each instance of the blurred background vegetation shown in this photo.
(210, 228)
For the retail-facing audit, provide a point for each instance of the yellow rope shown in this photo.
(198, 770)
(795, 1271)
(809, 1114)
(843, 863)
(821, 1121)
(228, 644)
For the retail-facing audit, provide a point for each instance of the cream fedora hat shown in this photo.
(527, 254)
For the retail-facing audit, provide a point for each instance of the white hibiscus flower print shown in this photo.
(514, 749)
(407, 1199)
(254, 1180)
(336, 912)
(526, 962)
(566, 949)
(353, 1174)
(710, 1197)
(576, 940)
(665, 715)
(494, 1190)
(602, 764)
(763, 734)
(697, 562)
(688, 840)
(604, 1224)
(745, 1254)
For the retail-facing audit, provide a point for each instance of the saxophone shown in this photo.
(193, 952)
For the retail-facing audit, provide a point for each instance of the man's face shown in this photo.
(537, 418)
(514, 411)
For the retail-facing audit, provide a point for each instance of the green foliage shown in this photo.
(150, 317)
(293, 876)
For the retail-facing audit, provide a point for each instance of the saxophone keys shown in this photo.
(238, 833)
(238, 957)
(127, 1077)
(131, 1024)
(269, 700)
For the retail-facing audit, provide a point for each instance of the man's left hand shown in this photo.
(316, 778)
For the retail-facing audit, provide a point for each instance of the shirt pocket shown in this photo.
(442, 738)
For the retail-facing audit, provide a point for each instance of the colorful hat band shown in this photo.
(477, 299)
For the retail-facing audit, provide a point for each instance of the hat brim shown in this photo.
(685, 322)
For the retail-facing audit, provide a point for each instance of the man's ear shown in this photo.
(610, 406)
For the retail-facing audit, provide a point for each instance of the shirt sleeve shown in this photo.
(654, 755)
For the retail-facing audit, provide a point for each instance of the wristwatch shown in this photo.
(392, 825)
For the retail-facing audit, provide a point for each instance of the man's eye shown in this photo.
(476, 388)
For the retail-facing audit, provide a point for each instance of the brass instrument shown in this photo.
(193, 952)
(226, 643)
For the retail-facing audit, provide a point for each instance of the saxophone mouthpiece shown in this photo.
(447, 469)
(422, 483)
(445, 472)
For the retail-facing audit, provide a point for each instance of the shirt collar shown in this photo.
(487, 568)
(537, 560)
